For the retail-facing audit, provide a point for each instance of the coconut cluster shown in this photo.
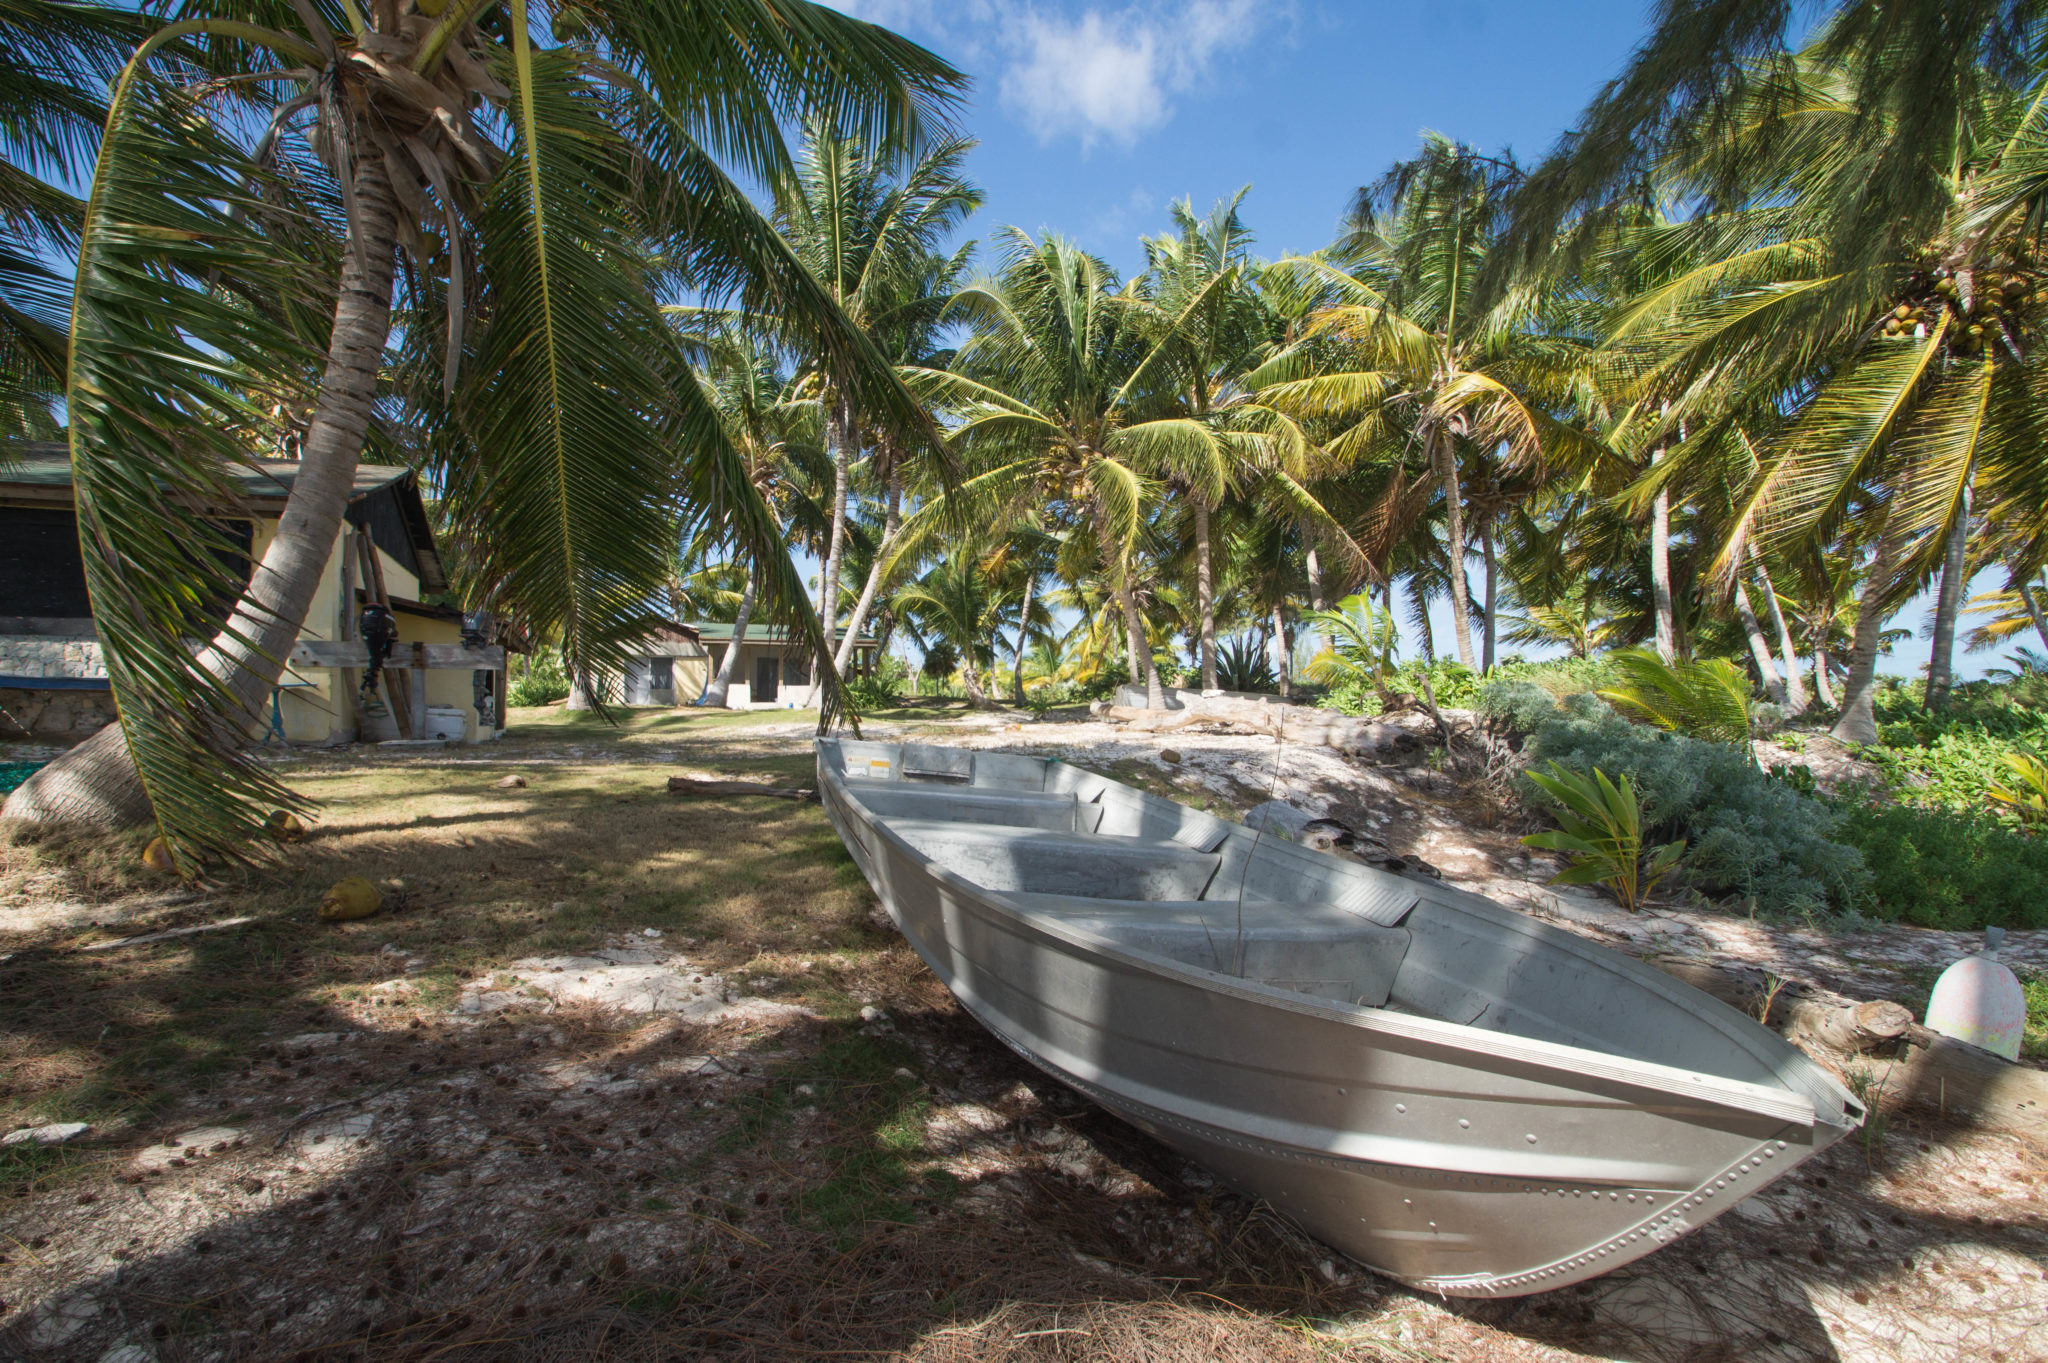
(1980, 299)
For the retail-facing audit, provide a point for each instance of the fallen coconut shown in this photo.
(285, 826)
(157, 857)
(350, 898)
(511, 783)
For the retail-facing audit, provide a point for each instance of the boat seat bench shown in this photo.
(1306, 948)
(972, 805)
(1013, 858)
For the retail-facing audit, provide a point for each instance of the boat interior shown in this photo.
(1067, 846)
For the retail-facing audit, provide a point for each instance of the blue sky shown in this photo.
(1093, 117)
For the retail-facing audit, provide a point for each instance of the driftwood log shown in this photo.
(1905, 1062)
(690, 785)
(1293, 723)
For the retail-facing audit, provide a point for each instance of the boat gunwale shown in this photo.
(1733, 1094)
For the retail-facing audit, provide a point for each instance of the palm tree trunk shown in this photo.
(1205, 595)
(1858, 723)
(1315, 580)
(1143, 671)
(1278, 651)
(1795, 686)
(582, 689)
(1486, 548)
(892, 521)
(970, 681)
(1454, 525)
(1948, 604)
(1823, 686)
(1759, 647)
(96, 784)
(2034, 610)
(837, 438)
(1023, 634)
(1421, 616)
(1660, 567)
(714, 694)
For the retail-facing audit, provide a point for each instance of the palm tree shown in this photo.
(867, 228)
(909, 332)
(961, 604)
(767, 422)
(209, 294)
(1408, 354)
(1046, 404)
(56, 60)
(1209, 328)
(1837, 393)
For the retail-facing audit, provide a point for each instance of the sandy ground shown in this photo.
(660, 1147)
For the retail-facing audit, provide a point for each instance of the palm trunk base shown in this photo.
(95, 785)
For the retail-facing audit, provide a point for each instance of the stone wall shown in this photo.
(35, 655)
(54, 714)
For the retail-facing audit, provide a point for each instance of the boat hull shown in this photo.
(1455, 1159)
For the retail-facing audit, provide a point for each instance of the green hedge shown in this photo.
(1948, 869)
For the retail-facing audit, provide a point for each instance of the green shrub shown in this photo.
(868, 694)
(1748, 836)
(543, 682)
(1952, 869)
(1951, 758)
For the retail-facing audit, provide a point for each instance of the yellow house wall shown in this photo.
(322, 712)
(692, 676)
(445, 685)
(399, 582)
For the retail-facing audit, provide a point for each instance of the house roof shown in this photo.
(385, 500)
(47, 465)
(720, 632)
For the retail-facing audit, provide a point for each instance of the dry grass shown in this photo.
(557, 1182)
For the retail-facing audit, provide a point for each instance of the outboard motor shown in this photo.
(379, 629)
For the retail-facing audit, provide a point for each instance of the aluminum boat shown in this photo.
(1453, 1094)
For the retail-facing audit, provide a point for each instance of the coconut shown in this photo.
(285, 826)
(350, 898)
(157, 856)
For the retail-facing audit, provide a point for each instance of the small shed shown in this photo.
(670, 667)
(53, 678)
(774, 672)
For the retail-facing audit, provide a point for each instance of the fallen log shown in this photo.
(690, 785)
(1294, 723)
(1902, 1061)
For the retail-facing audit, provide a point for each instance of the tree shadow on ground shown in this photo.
(567, 1185)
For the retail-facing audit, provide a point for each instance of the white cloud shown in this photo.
(1097, 73)
(1113, 75)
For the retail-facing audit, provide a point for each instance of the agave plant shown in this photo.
(1601, 826)
(1708, 699)
(1242, 665)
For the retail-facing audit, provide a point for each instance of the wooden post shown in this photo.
(397, 685)
(351, 681)
(416, 685)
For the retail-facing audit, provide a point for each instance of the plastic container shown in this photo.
(445, 721)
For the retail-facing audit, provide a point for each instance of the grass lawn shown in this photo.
(378, 1174)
